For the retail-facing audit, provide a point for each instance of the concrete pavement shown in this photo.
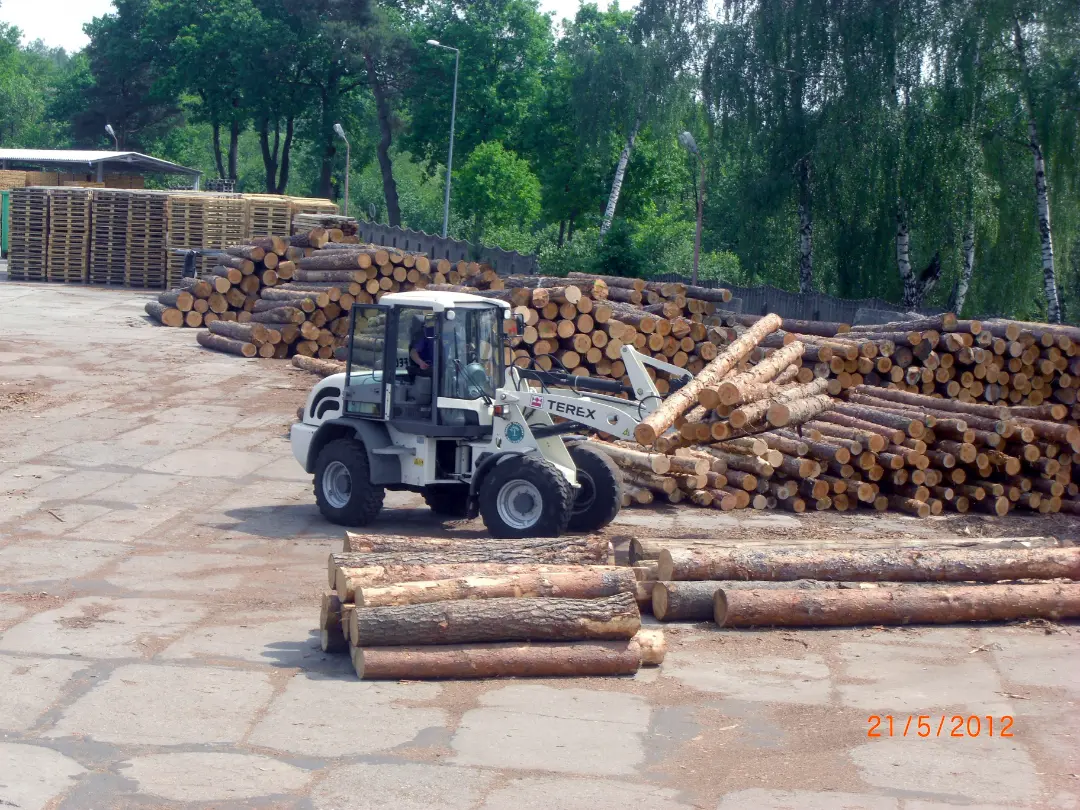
(161, 560)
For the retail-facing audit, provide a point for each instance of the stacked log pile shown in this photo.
(840, 584)
(995, 362)
(920, 417)
(740, 435)
(417, 608)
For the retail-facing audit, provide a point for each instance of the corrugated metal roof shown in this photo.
(134, 160)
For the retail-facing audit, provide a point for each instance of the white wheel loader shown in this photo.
(429, 404)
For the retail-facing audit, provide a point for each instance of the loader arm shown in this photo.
(597, 411)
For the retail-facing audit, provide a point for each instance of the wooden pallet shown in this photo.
(187, 219)
(146, 239)
(108, 241)
(311, 205)
(29, 234)
(267, 215)
(69, 235)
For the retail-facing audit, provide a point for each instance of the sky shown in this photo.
(60, 22)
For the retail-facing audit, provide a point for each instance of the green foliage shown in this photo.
(496, 188)
(846, 114)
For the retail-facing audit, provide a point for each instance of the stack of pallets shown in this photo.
(225, 223)
(186, 214)
(69, 235)
(311, 205)
(28, 245)
(108, 246)
(267, 215)
(146, 239)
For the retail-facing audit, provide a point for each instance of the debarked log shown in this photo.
(870, 565)
(914, 604)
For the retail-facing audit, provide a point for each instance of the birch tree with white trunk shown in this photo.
(1042, 192)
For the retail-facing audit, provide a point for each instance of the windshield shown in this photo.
(472, 346)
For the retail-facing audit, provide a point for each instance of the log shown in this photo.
(684, 601)
(244, 332)
(876, 565)
(795, 412)
(180, 299)
(398, 550)
(228, 345)
(166, 316)
(747, 386)
(513, 660)
(323, 367)
(636, 459)
(347, 580)
(474, 621)
(686, 397)
(315, 238)
(585, 584)
(913, 604)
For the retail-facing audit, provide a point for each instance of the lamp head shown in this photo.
(109, 129)
(339, 131)
(434, 42)
(686, 140)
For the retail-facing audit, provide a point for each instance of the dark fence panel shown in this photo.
(504, 262)
(754, 300)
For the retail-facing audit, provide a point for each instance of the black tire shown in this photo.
(363, 501)
(599, 494)
(552, 513)
(448, 500)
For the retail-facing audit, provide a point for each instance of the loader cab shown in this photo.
(428, 363)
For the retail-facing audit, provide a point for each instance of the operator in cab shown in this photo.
(422, 348)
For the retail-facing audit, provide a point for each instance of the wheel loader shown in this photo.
(429, 403)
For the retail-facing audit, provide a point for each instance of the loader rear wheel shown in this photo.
(343, 488)
(526, 496)
(599, 495)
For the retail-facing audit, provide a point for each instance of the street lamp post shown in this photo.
(340, 132)
(116, 141)
(453, 112)
(690, 145)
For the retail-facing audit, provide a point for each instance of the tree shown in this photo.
(118, 85)
(207, 51)
(496, 188)
(387, 54)
(506, 50)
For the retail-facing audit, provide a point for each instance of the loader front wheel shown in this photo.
(599, 495)
(526, 496)
(343, 488)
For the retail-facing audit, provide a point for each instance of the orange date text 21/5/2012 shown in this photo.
(944, 725)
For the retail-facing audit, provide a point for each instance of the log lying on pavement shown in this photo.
(332, 633)
(507, 660)
(483, 620)
(584, 584)
(644, 550)
(912, 604)
(875, 565)
(684, 601)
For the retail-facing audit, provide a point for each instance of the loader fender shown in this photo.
(385, 468)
